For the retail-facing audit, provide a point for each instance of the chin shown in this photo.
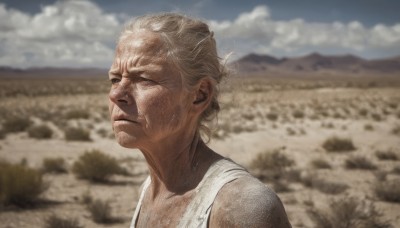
(126, 140)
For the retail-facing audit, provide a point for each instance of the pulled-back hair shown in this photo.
(192, 48)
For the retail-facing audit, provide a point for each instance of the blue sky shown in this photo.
(83, 33)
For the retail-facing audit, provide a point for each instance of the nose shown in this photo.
(121, 93)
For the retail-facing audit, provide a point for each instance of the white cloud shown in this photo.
(259, 32)
(79, 34)
(68, 33)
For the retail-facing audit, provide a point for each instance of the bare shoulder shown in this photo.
(246, 202)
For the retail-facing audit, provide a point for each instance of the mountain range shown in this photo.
(251, 64)
(316, 63)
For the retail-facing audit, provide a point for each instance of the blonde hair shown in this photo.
(191, 46)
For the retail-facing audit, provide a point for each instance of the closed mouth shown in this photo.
(124, 119)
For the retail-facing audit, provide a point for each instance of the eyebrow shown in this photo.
(131, 72)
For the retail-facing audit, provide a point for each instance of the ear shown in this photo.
(203, 94)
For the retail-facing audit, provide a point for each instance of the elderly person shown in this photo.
(164, 86)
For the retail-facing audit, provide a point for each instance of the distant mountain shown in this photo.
(52, 72)
(315, 63)
(252, 64)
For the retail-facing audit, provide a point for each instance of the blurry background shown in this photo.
(311, 108)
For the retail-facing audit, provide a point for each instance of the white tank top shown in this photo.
(198, 210)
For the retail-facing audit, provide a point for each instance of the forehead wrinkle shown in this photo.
(141, 42)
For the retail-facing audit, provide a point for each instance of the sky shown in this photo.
(39, 33)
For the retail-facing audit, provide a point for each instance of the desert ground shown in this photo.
(329, 148)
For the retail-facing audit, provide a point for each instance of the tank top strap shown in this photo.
(219, 174)
(145, 185)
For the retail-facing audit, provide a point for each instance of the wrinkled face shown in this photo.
(148, 102)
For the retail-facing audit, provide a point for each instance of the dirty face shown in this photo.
(147, 99)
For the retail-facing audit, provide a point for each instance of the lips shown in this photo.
(124, 118)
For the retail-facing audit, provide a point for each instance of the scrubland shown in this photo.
(330, 148)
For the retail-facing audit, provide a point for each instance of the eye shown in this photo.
(145, 80)
(114, 80)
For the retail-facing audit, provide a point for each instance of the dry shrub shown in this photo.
(2, 134)
(368, 127)
(16, 124)
(376, 117)
(396, 169)
(271, 160)
(387, 155)
(298, 114)
(388, 190)
(359, 162)
(19, 184)
(396, 130)
(281, 186)
(40, 132)
(336, 144)
(348, 212)
(54, 165)
(363, 112)
(320, 163)
(290, 131)
(77, 134)
(101, 212)
(96, 166)
(77, 114)
(55, 221)
(328, 187)
(272, 116)
(271, 165)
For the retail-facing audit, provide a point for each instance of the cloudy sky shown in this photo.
(82, 33)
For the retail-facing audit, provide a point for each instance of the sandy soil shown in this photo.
(254, 133)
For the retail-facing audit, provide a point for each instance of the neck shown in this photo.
(177, 166)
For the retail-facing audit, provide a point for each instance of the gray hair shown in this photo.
(192, 48)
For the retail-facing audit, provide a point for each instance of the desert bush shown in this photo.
(55, 221)
(396, 130)
(298, 114)
(77, 114)
(272, 116)
(363, 112)
(328, 187)
(290, 131)
(387, 155)
(368, 127)
(40, 132)
(376, 117)
(96, 166)
(77, 134)
(2, 134)
(16, 124)
(348, 212)
(102, 132)
(336, 144)
(281, 186)
(359, 162)
(396, 169)
(248, 116)
(87, 197)
(320, 163)
(101, 211)
(19, 184)
(54, 165)
(271, 160)
(388, 190)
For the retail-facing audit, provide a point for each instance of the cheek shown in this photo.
(164, 111)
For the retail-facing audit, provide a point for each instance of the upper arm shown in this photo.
(246, 202)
